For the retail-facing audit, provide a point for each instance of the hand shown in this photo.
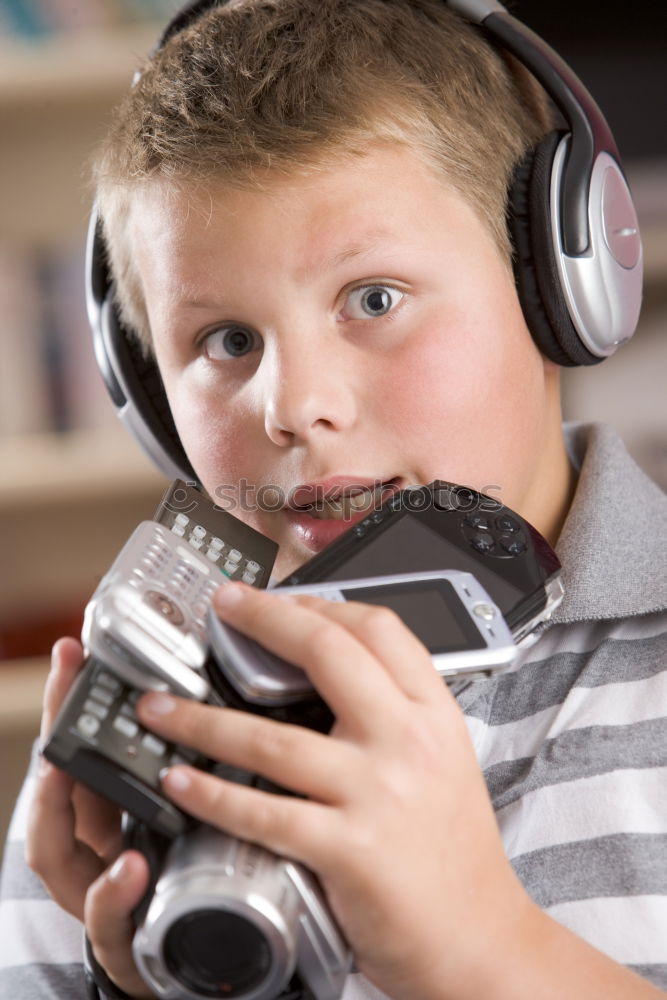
(397, 822)
(73, 838)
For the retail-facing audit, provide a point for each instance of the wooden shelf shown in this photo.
(21, 687)
(67, 505)
(81, 465)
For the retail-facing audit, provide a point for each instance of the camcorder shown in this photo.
(224, 918)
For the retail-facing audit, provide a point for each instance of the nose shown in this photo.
(308, 388)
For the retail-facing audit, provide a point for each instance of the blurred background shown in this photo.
(72, 483)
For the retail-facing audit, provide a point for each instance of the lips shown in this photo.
(340, 499)
(321, 512)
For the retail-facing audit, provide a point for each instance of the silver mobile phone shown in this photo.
(147, 619)
(449, 611)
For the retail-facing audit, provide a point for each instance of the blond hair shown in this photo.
(285, 85)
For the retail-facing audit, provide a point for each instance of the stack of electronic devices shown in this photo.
(472, 579)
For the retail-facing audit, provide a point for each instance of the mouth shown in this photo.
(333, 502)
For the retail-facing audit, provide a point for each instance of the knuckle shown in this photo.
(256, 610)
(324, 639)
(268, 743)
(269, 822)
(380, 620)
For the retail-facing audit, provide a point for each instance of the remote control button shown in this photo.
(181, 520)
(153, 744)
(174, 760)
(360, 530)
(212, 554)
(108, 681)
(252, 566)
(234, 555)
(94, 708)
(513, 546)
(101, 694)
(176, 586)
(508, 525)
(230, 568)
(88, 725)
(178, 529)
(125, 726)
(217, 543)
(249, 578)
(482, 543)
(196, 543)
(199, 531)
(377, 516)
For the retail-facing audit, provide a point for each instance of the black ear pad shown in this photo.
(143, 385)
(537, 279)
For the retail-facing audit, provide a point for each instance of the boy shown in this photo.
(310, 238)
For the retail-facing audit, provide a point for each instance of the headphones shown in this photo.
(578, 253)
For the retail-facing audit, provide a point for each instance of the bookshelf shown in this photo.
(67, 500)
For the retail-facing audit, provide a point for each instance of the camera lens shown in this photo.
(217, 954)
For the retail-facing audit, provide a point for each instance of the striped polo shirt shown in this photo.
(572, 742)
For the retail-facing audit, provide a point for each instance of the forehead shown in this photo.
(385, 192)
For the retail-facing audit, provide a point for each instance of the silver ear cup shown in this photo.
(602, 287)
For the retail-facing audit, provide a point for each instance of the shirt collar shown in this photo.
(613, 546)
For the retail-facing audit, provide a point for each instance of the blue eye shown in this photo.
(372, 300)
(229, 342)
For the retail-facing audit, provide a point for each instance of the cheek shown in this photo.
(475, 393)
(210, 429)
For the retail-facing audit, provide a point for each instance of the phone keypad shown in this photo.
(190, 587)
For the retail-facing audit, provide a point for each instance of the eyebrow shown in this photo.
(367, 245)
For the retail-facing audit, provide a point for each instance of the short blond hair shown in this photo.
(283, 85)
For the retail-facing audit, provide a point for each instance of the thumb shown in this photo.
(108, 917)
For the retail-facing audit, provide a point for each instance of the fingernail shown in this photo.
(227, 596)
(56, 649)
(177, 778)
(118, 869)
(158, 703)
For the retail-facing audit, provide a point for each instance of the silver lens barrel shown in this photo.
(223, 922)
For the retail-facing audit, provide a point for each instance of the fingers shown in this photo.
(66, 660)
(66, 866)
(383, 633)
(296, 758)
(97, 820)
(342, 669)
(295, 828)
(108, 916)
(97, 823)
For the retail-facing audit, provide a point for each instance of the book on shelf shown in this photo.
(48, 378)
(24, 393)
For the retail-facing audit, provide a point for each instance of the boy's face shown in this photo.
(353, 327)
